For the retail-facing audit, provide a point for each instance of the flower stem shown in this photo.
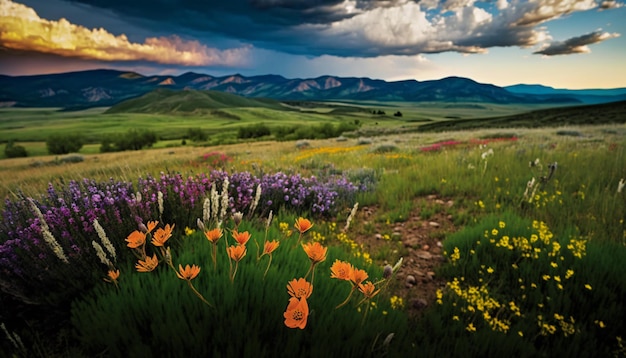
(198, 294)
(232, 278)
(347, 298)
(268, 266)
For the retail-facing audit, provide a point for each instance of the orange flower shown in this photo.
(270, 246)
(358, 276)
(161, 235)
(148, 265)
(188, 273)
(236, 252)
(151, 226)
(241, 237)
(341, 270)
(315, 251)
(113, 275)
(368, 289)
(214, 235)
(299, 288)
(136, 239)
(297, 313)
(303, 225)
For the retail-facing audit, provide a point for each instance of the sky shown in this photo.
(573, 44)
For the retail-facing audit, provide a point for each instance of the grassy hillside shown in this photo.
(607, 113)
(165, 101)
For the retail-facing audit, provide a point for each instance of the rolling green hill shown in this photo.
(166, 101)
(614, 112)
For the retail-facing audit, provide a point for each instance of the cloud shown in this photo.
(22, 29)
(357, 28)
(576, 44)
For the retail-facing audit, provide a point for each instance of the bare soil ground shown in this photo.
(419, 242)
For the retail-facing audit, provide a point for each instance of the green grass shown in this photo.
(579, 202)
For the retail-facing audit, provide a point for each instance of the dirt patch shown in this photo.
(418, 241)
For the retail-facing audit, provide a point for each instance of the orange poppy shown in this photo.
(303, 225)
(214, 235)
(236, 252)
(270, 246)
(296, 313)
(241, 237)
(113, 275)
(358, 276)
(341, 270)
(315, 251)
(161, 235)
(187, 273)
(148, 265)
(136, 239)
(368, 289)
(151, 226)
(299, 288)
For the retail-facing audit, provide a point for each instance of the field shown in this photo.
(484, 242)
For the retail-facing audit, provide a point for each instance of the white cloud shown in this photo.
(22, 29)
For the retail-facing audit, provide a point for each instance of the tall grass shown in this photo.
(487, 180)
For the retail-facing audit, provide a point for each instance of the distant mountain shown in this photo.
(104, 88)
(590, 96)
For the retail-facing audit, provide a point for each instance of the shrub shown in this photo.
(14, 151)
(257, 130)
(197, 135)
(64, 143)
(132, 140)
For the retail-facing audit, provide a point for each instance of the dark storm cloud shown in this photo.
(575, 44)
(351, 28)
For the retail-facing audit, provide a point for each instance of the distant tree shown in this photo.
(398, 114)
(62, 143)
(253, 131)
(196, 135)
(379, 112)
(14, 151)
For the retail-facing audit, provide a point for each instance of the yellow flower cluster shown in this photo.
(325, 150)
(396, 302)
(478, 302)
(548, 328)
(355, 248)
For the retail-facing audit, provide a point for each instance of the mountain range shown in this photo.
(104, 88)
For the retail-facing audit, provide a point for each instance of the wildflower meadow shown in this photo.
(232, 253)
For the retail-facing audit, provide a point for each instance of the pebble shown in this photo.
(434, 224)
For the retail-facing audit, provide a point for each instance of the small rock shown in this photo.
(450, 203)
(411, 242)
(434, 224)
(424, 255)
(410, 281)
(430, 274)
(439, 201)
(439, 244)
(378, 236)
(425, 247)
(432, 197)
(419, 273)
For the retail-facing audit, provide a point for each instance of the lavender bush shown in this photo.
(50, 249)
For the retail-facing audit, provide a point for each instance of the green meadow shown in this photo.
(531, 265)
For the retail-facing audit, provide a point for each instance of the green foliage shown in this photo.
(134, 139)
(319, 131)
(257, 130)
(197, 135)
(161, 314)
(64, 143)
(11, 150)
(511, 280)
